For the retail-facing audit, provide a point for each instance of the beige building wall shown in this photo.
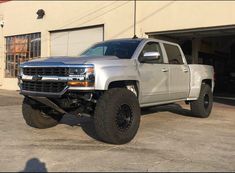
(117, 17)
(173, 15)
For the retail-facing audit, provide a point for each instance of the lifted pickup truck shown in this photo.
(110, 82)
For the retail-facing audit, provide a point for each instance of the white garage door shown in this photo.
(72, 43)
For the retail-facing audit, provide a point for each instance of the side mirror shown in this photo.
(150, 56)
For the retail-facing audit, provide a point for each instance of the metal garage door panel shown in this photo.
(59, 44)
(72, 43)
(82, 39)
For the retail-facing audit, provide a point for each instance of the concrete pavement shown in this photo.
(169, 139)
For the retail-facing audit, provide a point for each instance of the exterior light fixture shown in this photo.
(2, 23)
(40, 13)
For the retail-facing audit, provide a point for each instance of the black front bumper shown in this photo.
(44, 94)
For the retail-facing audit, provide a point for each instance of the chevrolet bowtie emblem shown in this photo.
(36, 78)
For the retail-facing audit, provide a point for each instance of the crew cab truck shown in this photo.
(110, 82)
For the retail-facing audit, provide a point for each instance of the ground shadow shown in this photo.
(35, 165)
(86, 123)
(174, 108)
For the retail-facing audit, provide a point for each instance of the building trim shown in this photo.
(77, 28)
(37, 32)
(200, 29)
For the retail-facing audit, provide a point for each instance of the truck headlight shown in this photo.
(84, 76)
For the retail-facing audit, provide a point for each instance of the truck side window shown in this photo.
(174, 54)
(152, 47)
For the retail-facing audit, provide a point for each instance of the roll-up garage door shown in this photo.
(73, 42)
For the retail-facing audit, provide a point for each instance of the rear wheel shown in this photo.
(39, 118)
(117, 116)
(203, 105)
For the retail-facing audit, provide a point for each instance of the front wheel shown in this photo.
(203, 105)
(38, 118)
(117, 116)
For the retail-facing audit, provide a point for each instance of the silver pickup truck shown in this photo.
(110, 82)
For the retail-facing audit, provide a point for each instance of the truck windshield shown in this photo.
(123, 49)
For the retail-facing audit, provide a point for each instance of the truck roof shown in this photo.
(141, 39)
(125, 39)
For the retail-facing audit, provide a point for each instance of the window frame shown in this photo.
(161, 52)
(181, 53)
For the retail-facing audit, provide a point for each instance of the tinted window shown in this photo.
(123, 49)
(173, 53)
(152, 47)
(96, 51)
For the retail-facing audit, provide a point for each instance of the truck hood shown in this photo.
(65, 60)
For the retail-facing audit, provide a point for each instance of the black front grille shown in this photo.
(46, 71)
(39, 86)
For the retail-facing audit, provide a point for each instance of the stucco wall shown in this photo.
(173, 15)
(117, 16)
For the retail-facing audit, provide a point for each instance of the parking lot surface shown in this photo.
(169, 139)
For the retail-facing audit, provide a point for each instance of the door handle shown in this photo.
(185, 70)
(165, 70)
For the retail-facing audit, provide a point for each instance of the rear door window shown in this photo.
(173, 54)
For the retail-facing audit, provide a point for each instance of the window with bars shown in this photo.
(21, 48)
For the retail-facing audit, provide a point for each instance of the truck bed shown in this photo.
(197, 74)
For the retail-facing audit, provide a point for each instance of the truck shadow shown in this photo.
(173, 108)
(87, 124)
